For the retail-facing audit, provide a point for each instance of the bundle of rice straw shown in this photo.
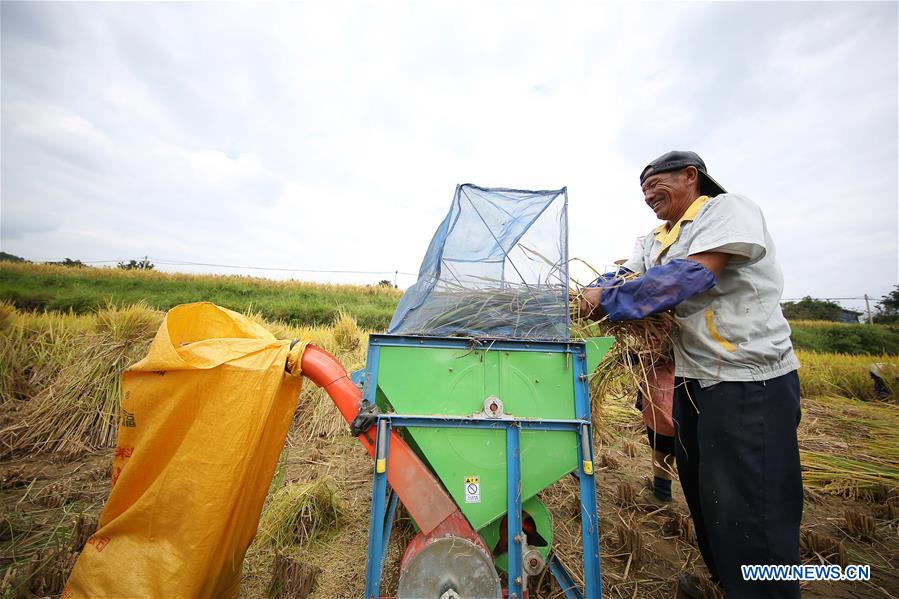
(640, 346)
(78, 408)
(512, 311)
(298, 513)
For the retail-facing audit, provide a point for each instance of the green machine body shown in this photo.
(459, 377)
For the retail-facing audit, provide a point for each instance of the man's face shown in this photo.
(670, 194)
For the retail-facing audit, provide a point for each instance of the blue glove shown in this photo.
(659, 289)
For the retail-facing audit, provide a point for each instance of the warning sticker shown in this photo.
(472, 489)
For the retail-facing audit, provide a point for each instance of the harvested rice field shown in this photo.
(59, 385)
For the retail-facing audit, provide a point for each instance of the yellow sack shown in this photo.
(204, 418)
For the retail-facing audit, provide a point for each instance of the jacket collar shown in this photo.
(667, 236)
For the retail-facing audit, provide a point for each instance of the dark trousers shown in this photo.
(738, 463)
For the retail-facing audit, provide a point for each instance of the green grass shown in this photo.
(83, 290)
(853, 339)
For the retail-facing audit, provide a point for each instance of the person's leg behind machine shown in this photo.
(656, 405)
(662, 464)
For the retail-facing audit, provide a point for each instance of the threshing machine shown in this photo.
(476, 401)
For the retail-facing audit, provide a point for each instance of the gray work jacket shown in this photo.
(736, 331)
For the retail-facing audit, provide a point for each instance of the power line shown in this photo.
(799, 299)
(166, 262)
(315, 270)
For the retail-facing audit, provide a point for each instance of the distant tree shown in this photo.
(144, 264)
(70, 262)
(889, 304)
(888, 307)
(812, 309)
(385, 283)
(4, 257)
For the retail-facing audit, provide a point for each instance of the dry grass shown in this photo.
(346, 332)
(44, 544)
(78, 408)
(340, 552)
(860, 525)
(680, 526)
(821, 324)
(630, 449)
(299, 513)
(64, 371)
(291, 578)
(607, 461)
(60, 374)
(56, 494)
(109, 273)
(849, 448)
(626, 495)
(47, 574)
(33, 347)
(502, 310)
(841, 374)
(13, 477)
(85, 526)
(640, 347)
(8, 316)
(822, 547)
(629, 543)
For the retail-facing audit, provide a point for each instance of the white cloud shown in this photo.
(332, 135)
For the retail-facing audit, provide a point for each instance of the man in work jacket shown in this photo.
(736, 402)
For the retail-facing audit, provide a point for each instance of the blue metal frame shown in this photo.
(563, 577)
(383, 508)
(392, 502)
(589, 515)
(571, 347)
(376, 524)
(513, 511)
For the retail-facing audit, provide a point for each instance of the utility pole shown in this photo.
(868, 308)
(396, 275)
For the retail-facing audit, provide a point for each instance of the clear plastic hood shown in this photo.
(496, 267)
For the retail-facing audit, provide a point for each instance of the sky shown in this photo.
(330, 136)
